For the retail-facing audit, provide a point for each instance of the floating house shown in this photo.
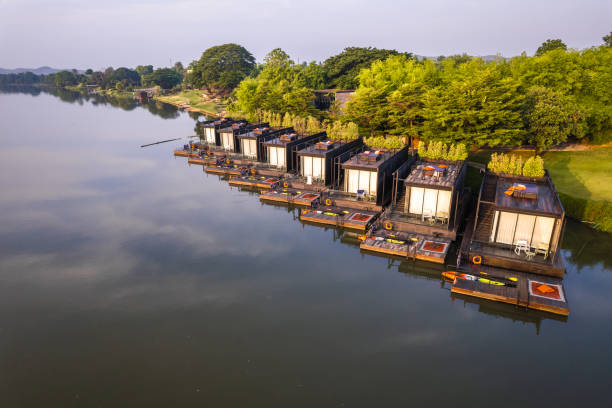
(282, 151)
(365, 180)
(518, 225)
(211, 129)
(427, 207)
(229, 135)
(516, 236)
(252, 142)
(317, 161)
(430, 199)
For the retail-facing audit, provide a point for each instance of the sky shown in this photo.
(96, 34)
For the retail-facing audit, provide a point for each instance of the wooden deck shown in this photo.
(537, 292)
(203, 161)
(408, 245)
(292, 196)
(226, 170)
(185, 153)
(254, 181)
(339, 217)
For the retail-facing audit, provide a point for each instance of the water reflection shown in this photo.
(127, 275)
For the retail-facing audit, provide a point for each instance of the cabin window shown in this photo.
(210, 135)
(509, 228)
(429, 201)
(249, 147)
(313, 166)
(227, 140)
(361, 180)
(276, 156)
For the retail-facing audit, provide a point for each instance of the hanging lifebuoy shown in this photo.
(388, 225)
(477, 259)
(253, 171)
(328, 201)
(285, 184)
(227, 161)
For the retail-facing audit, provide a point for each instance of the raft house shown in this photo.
(212, 128)
(360, 190)
(316, 170)
(428, 205)
(515, 236)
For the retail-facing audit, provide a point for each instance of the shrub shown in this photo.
(439, 150)
(534, 167)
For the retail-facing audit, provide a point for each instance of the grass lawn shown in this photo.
(194, 99)
(582, 174)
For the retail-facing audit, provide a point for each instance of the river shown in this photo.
(128, 278)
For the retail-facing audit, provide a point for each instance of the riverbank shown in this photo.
(195, 101)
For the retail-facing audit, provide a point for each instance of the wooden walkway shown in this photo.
(226, 170)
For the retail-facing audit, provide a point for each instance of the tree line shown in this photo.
(120, 78)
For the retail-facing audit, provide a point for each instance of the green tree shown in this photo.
(551, 118)
(221, 68)
(164, 77)
(607, 39)
(64, 78)
(342, 70)
(550, 45)
(279, 87)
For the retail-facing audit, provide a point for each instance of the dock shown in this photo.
(254, 181)
(408, 245)
(538, 292)
(226, 170)
(292, 196)
(339, 217)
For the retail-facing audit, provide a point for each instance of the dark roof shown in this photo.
(358, 161)
(312, 150)
(278, 142)
(419, 176)
(262, 132)
(547, 200)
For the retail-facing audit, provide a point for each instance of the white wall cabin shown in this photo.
(313, 166)
(428, 201)
(276, 156)
(355, 180)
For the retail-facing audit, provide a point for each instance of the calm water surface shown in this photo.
(128, 278)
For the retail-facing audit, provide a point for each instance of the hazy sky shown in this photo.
(83, 34)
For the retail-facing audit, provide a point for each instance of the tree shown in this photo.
(124, 75)
(607, 39)
(280, 87)
(178, 67)
(222, 68)
(89, 71)
(144, 69)
(342, 69)
(64, 78)
(166, 78)
(550, 45)
(551, 117)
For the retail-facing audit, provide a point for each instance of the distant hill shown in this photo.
(37, 71)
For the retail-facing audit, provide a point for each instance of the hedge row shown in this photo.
(597, 212)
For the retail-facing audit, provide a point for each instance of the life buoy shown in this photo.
(477, 259)
(227, 161)
(328, 201)
(388, 225)
(285, 184)
(253, 171)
